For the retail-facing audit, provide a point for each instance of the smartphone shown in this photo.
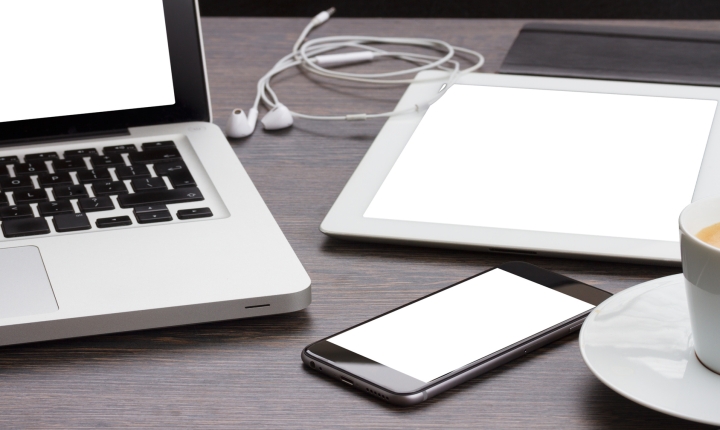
(432, 344)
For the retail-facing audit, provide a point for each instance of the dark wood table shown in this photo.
(248, 373)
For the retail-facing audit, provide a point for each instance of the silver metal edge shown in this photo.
(154, 318)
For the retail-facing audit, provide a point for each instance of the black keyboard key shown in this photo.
(96, 204)
(104, 188)
(4, 200)
(30, 196)
(80, 153)
(34, 168)
(4, 172)
(17, 211)
(9, 159)
(154, 145)
(119, 149)
(181, 179)
(25, 227)
(194, 213)
(155, 155)
(157, 216)
(132, 172)
(54, 208)
(180, 195)
(117, 221)
(70, 192)
(92, 175)
(149, 208)
(69, 164)
(52, 179)
(110, 160)
(163, 169)
(41, 156)
(147, 184)
(12, 184)
(71, 222)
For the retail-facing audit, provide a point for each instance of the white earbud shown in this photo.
(317, 56)
(241, 125)
(278, 117)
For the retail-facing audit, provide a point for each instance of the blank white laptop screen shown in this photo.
(103, 56)
(553, 161)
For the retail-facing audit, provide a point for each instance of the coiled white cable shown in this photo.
(316, 56)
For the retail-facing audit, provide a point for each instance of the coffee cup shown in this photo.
(701, 269)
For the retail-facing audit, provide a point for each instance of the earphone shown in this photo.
(315, 56)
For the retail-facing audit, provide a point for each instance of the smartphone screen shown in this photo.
(423, 341)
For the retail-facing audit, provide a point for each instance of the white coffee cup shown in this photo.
(701, 268)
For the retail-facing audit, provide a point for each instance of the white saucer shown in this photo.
(639, 343)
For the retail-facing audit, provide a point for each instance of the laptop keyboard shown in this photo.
(48, 191)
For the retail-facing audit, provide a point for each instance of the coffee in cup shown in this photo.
(710, 235)
(700, 249)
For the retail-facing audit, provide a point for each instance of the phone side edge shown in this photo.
(508, 356)
(410, 399)
(361, 385)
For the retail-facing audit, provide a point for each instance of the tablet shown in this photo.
(537, 166)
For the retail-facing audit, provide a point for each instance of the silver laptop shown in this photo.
(122, 207)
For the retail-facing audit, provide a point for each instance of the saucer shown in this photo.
(639, 343)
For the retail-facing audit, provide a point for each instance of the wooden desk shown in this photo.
(247, 373)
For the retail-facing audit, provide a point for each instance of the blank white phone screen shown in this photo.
(554, 161)
(82, 56)
(461, 324)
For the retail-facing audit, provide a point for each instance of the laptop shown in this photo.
(122, 207)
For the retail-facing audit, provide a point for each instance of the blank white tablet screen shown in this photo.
(82, 56)
(553, 161)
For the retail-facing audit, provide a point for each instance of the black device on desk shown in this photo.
(625, 53)
(425, 347)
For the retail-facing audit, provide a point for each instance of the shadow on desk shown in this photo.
(603, 407)
(245, 335)
(593, 272)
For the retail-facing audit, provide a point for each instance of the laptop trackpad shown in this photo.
(24, 285)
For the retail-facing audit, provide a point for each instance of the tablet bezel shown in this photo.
(345, 218)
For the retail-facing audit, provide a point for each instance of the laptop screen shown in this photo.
(84, 68)
(82, 56)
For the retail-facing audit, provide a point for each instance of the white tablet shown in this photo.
(535, 165)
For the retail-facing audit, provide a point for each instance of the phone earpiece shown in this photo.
(278, 117)
(241, 125)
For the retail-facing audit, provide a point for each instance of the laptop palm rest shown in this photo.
(24, 285)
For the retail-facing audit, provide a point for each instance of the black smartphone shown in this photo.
(432, 344)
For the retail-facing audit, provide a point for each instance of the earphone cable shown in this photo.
(304, 50)
(318, 56)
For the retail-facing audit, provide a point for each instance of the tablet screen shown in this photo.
(553, 161)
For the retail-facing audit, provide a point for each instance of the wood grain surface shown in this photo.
(248, 373)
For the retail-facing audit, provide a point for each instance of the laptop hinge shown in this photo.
(65, 137)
